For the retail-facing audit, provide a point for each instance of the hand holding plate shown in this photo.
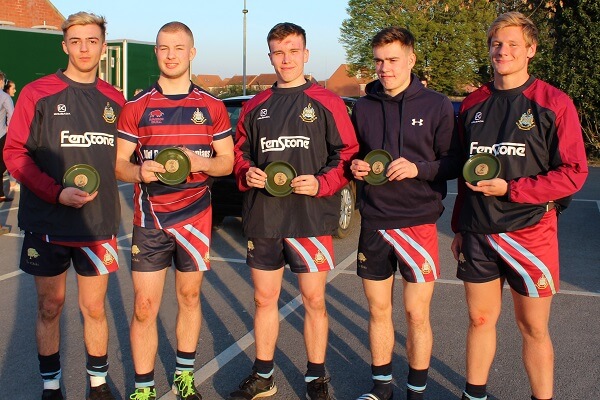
(305, 184)
(74, 197)
(359, 169)
(400, 169)
(256, 178)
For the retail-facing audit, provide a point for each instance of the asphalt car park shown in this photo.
(226, 346)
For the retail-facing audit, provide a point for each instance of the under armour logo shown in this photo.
(415, 122)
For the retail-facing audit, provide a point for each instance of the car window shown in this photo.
(234, 115)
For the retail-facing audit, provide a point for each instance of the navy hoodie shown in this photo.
(417, 124)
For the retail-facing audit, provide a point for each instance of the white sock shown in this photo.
(52, 385)
(96, 381)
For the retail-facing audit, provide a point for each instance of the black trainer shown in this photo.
(52, 394)
(254, 387)
(318, 389)
(101, 392)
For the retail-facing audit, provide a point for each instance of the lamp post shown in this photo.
(244, 11)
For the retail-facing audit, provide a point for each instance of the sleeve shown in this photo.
(447, 159)
(460, 184)
(221, 122)
(242, 160)
(10, 107)
(127, 124)
(568, 162)
(342, 147)
(20, 145)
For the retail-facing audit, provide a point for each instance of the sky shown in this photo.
(218, 29)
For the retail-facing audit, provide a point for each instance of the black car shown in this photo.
(227, 199)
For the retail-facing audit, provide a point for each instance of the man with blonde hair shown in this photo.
(62, 120)
(506, 227)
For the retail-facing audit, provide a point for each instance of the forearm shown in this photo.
(219, 165)
(127, 171)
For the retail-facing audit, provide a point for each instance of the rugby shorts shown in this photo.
(41, 257)
(187, 247)
(412, 250)
(309, 254)
(527, 258)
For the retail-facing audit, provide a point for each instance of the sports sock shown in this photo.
(382, 379)
(144, 380)
(97, 369)
(314, 371)
(185, 361)
(264, 368)
(475, 392)
(50, 370)
(416, 383)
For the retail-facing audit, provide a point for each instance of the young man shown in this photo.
(307, 126)
(415, 126)
(172, 223)
(47, 135)
(506, 227)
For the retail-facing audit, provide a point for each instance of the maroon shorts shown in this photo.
(51, 258)
(413, 251)
(187, 247)
(311, 254)
(527, 258)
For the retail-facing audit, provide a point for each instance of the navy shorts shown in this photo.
(187, 247)
(527, 258)
(42, 258)
(311, 254)
(413, 251)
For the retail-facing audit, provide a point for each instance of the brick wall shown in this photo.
(28, 13)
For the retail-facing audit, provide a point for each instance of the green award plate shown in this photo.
(83, 177)
(177, 164)
(480, 167)
(378, 161)
(279, 177)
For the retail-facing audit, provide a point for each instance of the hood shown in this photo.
(375, 91)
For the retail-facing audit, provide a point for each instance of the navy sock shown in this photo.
(314, 371)
(50, 366)
(476, 392)
(416, 384)
(185, 361)
(144, 380)
(264, 367)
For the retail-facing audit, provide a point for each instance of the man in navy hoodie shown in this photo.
(415, 126)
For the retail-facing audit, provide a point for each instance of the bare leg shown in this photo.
(419, 340)
(379, 295)
(316, 321)
(267, 287)
(51, 298)
(189, 316)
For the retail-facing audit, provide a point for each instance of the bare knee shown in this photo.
(145, 309)
(264, 298)
(417, 318)
(482, 321)
(189, 298)
(50, 306)
(94, 309)
(314, 302)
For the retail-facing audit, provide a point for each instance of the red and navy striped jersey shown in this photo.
(153, 122)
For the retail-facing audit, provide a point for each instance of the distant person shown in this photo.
(172, 223)
(506, 227)
(415, 126)
(307, 126)
(6, 111)
(65, 225)
(10, 88)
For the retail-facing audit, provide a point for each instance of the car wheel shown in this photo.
(347, 202)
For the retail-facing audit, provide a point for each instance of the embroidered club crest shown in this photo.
(32, 253)
(542, 283)
(108, 259)
(250, 245)
(308, 114)
(206, 257)
(526, 122)
(109, 114)
(361, 257)
(319, 258)
(425, 268)
(135, 250)
(198, 118)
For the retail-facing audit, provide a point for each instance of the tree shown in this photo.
(450, 37)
